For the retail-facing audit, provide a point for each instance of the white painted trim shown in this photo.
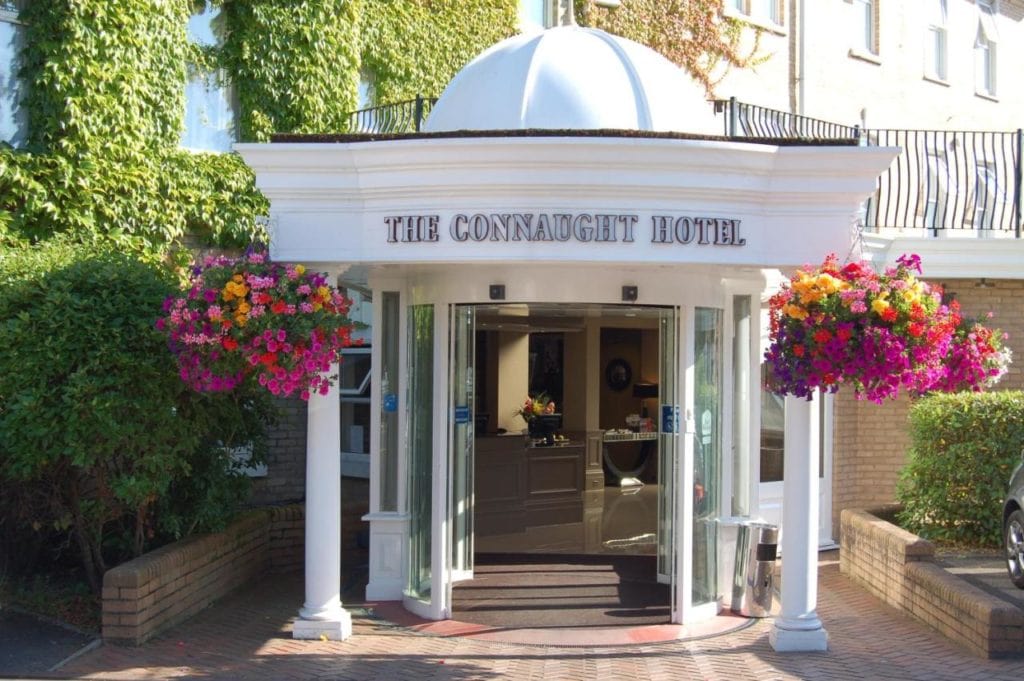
(825, 529)
(683, 516)
(951, 257)
(329, 200)
(440, 552)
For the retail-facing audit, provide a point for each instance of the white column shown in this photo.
(798, 628)
(322, 614)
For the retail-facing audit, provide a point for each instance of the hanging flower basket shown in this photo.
(249, 317)
(878, 333)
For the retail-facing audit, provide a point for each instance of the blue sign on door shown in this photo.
(670, 418)
(461, 414)
(391, 402)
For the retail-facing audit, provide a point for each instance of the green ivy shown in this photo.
(295, 65)
(412, 47)
(105, 98)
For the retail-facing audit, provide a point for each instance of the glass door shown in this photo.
(461, 409)
(668, 439)
(420, 405)
(707, 452)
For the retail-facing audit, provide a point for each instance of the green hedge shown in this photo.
(99, 437)
(963, 449)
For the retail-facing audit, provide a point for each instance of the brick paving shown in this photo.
(247, 636)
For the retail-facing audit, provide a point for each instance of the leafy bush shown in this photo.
(92, 411)
(963, 449)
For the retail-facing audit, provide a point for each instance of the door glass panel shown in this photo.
(667, 439)
(420, 405)
(462, 408)
(389, 402)
(707, 452)
(740, 409)
(773, 436)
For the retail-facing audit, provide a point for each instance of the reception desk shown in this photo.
(519, 486)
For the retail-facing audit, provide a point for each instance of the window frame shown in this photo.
(744, 11)
(10, 13)
(986, 50)
(549, 12)
(868, 44)
(936, 55)
(212, 81)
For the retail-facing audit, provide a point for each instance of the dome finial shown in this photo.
(569, 15)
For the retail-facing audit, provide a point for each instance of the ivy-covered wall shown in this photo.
(106, 82)
(105, 103)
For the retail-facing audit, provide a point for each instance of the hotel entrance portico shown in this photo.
(562, 235)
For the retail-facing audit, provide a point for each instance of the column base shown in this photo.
(338, 628)
(797, 640)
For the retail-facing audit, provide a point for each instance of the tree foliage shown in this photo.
(963, 448)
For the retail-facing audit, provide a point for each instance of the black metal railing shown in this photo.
(942, 181)
(951, 180)
(751, 120)
(407, 116)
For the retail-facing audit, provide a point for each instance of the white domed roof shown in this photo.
(572, 78)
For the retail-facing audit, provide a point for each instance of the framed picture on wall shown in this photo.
(618, 374)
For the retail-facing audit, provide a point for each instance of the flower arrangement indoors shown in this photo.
(534, 407)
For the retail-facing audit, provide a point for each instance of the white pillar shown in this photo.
(798, 628)
(322, 614)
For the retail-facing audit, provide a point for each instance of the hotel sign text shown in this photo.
(577, 227)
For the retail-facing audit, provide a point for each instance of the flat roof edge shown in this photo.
(351, 138)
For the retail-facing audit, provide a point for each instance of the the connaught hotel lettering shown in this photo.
(579, 227)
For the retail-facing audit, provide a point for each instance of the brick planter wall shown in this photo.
(153, 592)
(898, 567)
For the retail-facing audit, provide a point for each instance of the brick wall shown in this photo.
(898, 567)
(871, 440)
(286, 457)
(164, 587)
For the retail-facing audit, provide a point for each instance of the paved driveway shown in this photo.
(247, 636)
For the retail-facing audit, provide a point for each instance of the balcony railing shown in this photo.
(407, 116)
(943, 183)
(751, 120)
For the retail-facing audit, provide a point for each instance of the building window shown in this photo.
(209, 97)
(13, 117)
(988, 197)
(761, 11)
(354, 388)
(865, 26)
(985, 49)
(936, 190)
(935, 40)
(536, 15)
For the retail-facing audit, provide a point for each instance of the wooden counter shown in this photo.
(518, 486)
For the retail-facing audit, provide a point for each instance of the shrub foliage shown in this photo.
(963, 449)
(96, 428)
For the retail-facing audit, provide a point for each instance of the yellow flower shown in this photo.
(795, 311)
(810, 297)
(879, 305)
(829, 284)
(243, 307)
(301, 269)
(324, 293)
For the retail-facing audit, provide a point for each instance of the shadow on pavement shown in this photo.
(30, 645)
